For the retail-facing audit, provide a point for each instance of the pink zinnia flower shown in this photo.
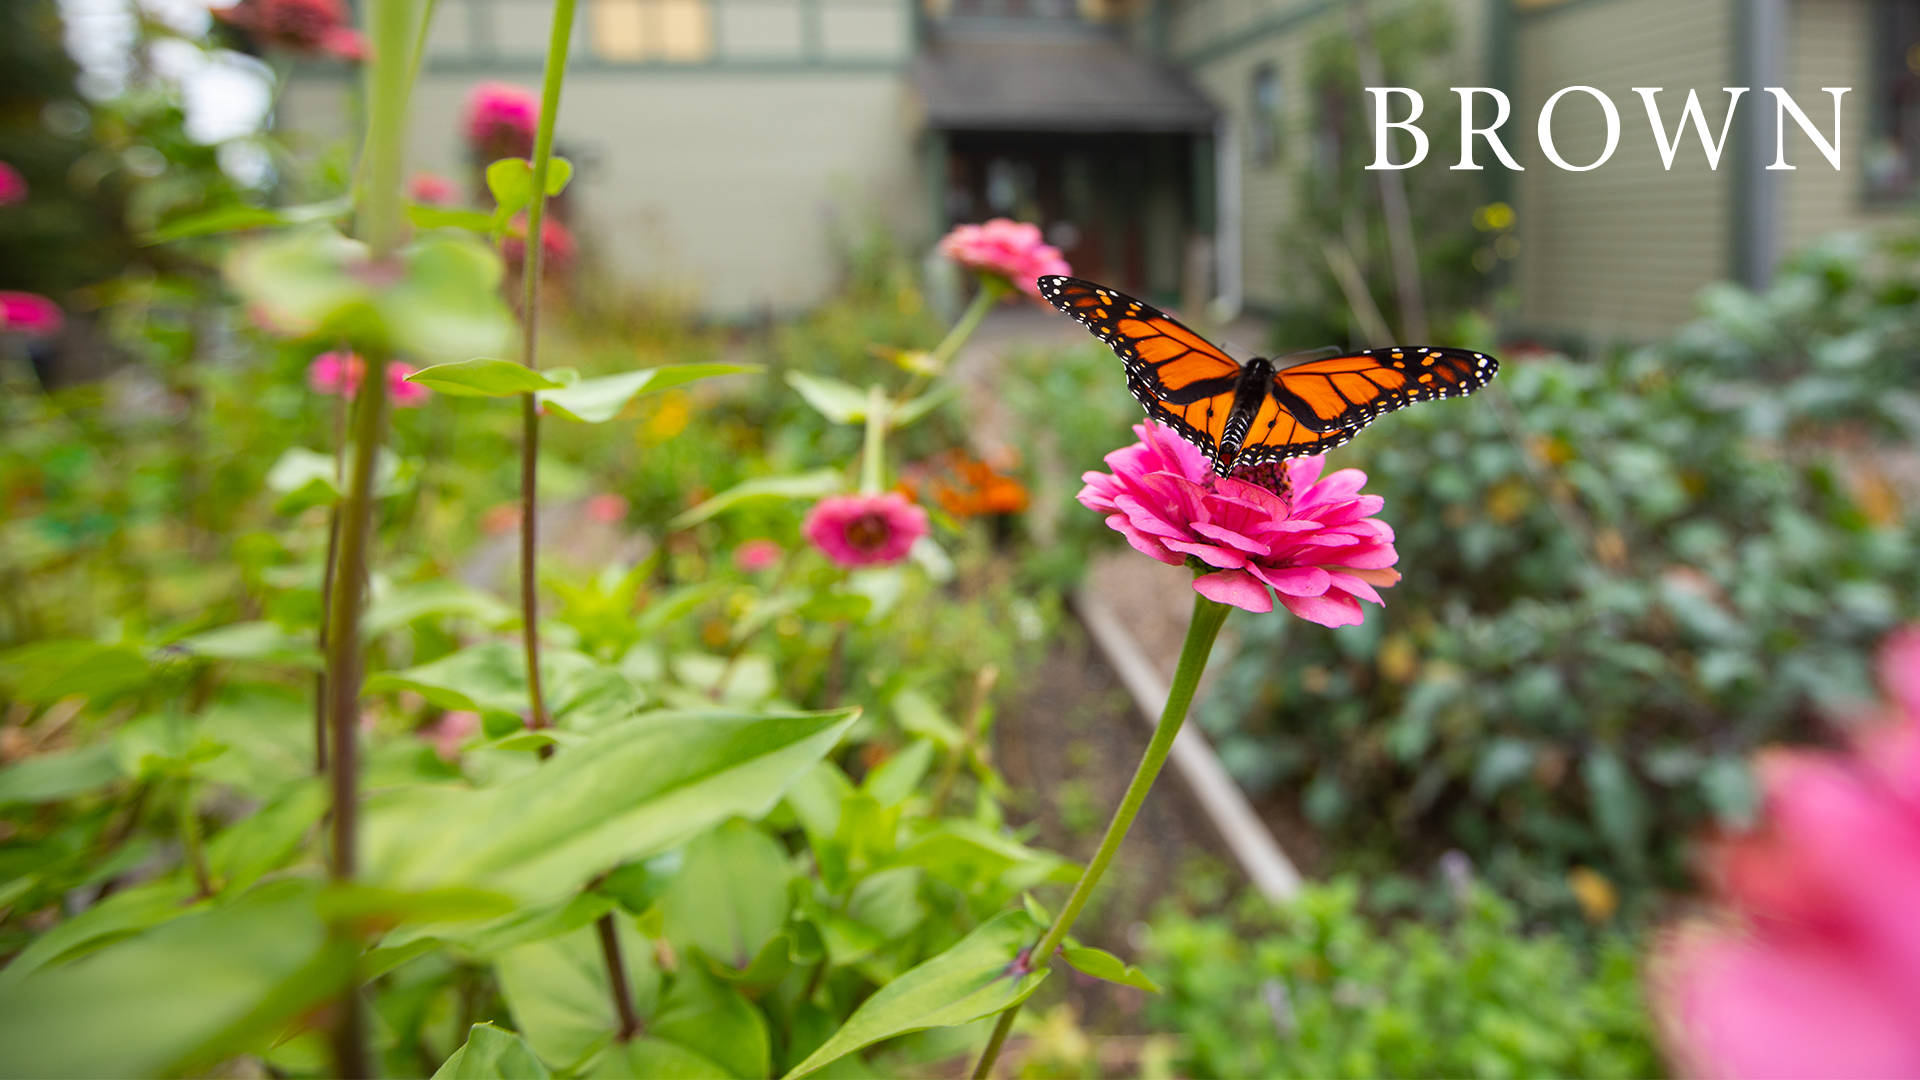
(450, 732)
(501, 119)
(865, 530)
(404, 394)
(1008, 249)
(556, 244)
(30, 313)
(432, 190)
(13, 186)
(757, 555)
(606, 509)
(1811, 967)
(336, 373)
(1317, 547)
(306, 27)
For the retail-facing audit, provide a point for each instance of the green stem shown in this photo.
(873, 469)
(1201, 632)
(193, 843)
(557, 46)
(991, 290)
(380, 222)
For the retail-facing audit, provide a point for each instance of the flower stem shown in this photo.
(557, 45)
(380, 222)
(617, 975)
(1201, 632)
(873, 468)
(991, 290)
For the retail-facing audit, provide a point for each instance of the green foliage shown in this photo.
(1621, 577)
(1316, 988)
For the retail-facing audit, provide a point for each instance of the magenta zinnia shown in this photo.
(1317, 547)
(865, 530)
(1013, 250)
(501, 119)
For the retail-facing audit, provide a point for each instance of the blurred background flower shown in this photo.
(865, 530)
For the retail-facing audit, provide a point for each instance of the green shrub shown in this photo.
(1315, 988)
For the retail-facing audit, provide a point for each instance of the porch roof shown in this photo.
(1084, 82)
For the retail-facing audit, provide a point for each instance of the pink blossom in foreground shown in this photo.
(865, 530)
(501, 119)
(1008, 249)
(432, 190)
(404, 394)
(30, 313)
(1318, 548)
(447, 734)
(302, 27)
(336, 373)
(13, 186)
(1810, 967)
(757, 555)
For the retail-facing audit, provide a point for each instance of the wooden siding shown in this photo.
(1828, 47)
(1619, 252)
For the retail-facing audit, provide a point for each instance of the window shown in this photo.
(675, 31)
(1263, 115)
(1893, 147)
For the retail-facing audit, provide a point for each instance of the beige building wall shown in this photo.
(1619, 252)
(721, 183)
(1225, 42)
(1828, 46)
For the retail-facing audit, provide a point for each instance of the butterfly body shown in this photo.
(1263, 410)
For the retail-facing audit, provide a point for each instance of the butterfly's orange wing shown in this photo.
(1181, 378)
(1345, 391)
(1276, 434)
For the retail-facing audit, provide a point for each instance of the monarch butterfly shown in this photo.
(1266, 409)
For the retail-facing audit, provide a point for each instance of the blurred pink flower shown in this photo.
(450, 732)
(501, 119)
(500, 517)
(557, 246)
(432, 190)
(1811, 965)
(756, 555)
(1012, 250)
(1317, 548)
(865, 530)
(304, 27)
(335, 373)
(606, 509)
(13, 186)
(30, 313)
(404, 394)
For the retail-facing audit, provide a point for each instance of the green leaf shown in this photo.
(1104, 965)
(599, 399)
(1619, 806)
(907, 412)
(46, 671)
(658, 1059)
(268, 838)
(492, 1053)
(810, 485)
(305, 478)
(482, 377)
(447, 304)
(238, 217)
(559, 171)
(511, 182)
(715, 1021)
(730, 895)
(180, 997)
(840, 402)
(61, 774)
(424, 216)
(262, 641)
(490, 677)
(113, 918)
(972, 980)
(392, 608)
(559, 995)
(636, 789)
(900, 775)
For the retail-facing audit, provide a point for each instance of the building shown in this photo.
(724, 147)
